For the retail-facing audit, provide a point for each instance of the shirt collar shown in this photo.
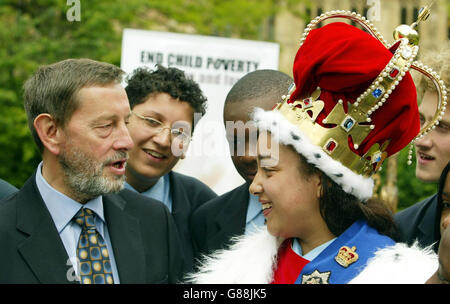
(156, 191)
(311, 255)
(254, 208)
(61, 207)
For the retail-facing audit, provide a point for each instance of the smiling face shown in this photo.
(432, 150)
(242, 133)
(152, 155)
(96, 142)
(241, 137)
(290, 199)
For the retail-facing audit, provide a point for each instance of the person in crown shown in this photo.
(353, 104)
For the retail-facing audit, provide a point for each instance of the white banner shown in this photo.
(215, 64)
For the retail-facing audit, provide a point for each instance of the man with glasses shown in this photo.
(163, 102)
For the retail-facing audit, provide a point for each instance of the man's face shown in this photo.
(156, 151)
(242, 138)
(95, 150)
(242, 134)
(432, 150)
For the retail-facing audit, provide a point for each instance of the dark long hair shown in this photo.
(340, 209)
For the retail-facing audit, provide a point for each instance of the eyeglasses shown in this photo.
(177, 134)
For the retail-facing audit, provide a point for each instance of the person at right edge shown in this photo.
(421, 221)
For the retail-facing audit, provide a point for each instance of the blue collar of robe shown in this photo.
(325, 269)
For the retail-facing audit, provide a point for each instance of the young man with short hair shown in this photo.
(418, 222)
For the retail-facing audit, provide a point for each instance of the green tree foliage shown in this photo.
(33, 33)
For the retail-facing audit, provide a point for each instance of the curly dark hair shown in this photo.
(143, 82)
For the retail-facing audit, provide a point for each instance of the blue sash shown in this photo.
(325, 269)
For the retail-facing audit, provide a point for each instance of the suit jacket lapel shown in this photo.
(180, 204)
(232, 218)
(181, 209)
(126, 240)
(43, 249)
(429, 226)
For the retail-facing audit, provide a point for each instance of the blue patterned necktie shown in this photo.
(93, 255)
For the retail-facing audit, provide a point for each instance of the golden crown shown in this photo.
(346, 256)
(357, 121)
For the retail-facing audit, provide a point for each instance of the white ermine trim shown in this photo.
(399, 264)
(288, 134)
(249, 260)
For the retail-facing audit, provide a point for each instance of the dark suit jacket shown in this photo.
(420, 221)
(143, 236)
(188, 194)
(6, 189)
(214, 223)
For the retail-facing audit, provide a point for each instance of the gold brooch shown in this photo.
(346, 256)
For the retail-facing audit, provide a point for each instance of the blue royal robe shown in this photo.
(325, 269)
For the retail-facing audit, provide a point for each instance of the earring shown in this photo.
(410, 152)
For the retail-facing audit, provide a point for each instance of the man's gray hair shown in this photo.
(53, 88)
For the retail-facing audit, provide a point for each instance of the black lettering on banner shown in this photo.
(182, 60)
(151, 57)
(233, 65)
(170, 60)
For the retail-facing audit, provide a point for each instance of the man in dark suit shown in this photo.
(163, 103)
(6, 189)
(238, 212)
(418, 222)
(67, 224)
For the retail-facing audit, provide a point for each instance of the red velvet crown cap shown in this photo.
(343, 61)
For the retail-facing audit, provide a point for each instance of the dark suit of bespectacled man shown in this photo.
(78, 114)
(6, 189)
